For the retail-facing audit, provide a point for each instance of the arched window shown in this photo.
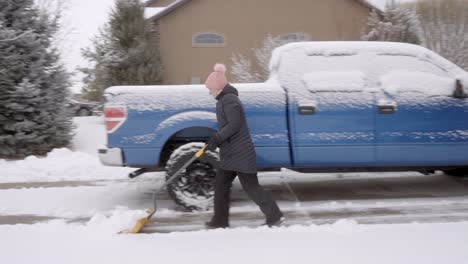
(295, 37)
(208, 40)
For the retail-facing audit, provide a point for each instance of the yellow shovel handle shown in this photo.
(201, 151)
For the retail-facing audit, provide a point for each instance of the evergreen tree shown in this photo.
(33, 84)
(124, 53)
(396, 23)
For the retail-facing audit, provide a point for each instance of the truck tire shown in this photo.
(194, 188)
(462, 172)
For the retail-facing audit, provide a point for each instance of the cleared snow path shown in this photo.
(327, 198)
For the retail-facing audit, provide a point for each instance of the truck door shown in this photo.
(419, 121)
(331, 112)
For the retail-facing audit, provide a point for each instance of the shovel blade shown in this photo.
(139, 224)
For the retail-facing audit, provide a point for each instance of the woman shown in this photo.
(237, 154)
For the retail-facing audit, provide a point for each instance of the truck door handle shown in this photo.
(307, 109)
(387, 106)
(387, 109)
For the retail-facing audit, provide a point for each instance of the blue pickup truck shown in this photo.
(326, 107)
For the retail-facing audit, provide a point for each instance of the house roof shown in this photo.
(150, 2)
(369, 4)
(168, 9)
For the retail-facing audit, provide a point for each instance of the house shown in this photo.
(194, 34)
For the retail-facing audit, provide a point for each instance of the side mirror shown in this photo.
(459, 91)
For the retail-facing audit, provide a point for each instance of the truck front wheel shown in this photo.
(194, 188)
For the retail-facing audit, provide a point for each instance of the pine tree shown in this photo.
(124, 53)
(396, 23)
(245, 71)
(33, 83)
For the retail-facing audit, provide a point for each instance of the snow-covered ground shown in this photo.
(68, 208)
(342, 242)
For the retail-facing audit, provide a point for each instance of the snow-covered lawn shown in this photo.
(106, 202)
(342, 242)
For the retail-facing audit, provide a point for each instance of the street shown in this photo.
(368, 198)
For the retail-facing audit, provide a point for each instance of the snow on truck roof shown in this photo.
(346, 66)
(336, 48)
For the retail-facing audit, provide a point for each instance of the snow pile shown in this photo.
(345, 81)
(425, 83)
(57, 166)
(121, 219)
(78, 164)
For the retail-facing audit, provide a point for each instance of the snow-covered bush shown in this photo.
(396, 23)
(246, 70)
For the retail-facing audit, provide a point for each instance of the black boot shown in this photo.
(277, 222)
(211, 225)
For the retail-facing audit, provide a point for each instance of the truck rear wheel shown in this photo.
(194, 189)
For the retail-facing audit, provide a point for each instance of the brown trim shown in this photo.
(370, 6)
(169, 9)
(148, 3)
(179, 3)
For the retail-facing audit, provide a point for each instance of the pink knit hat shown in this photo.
(217, 79)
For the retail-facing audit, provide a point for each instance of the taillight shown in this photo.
(115, 117)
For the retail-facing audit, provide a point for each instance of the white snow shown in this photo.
(308, 68)
(179, 97)
(152, 11)
(310, 53)
(59, 164)
(345, 81)
(342, 242)
(65, 164)
(425, 83)
(120, 220)
(381, 4)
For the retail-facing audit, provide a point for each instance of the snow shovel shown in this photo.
(142, 222)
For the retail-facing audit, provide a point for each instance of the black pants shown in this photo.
(263, 199)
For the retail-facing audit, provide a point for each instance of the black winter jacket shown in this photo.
(236, 148)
